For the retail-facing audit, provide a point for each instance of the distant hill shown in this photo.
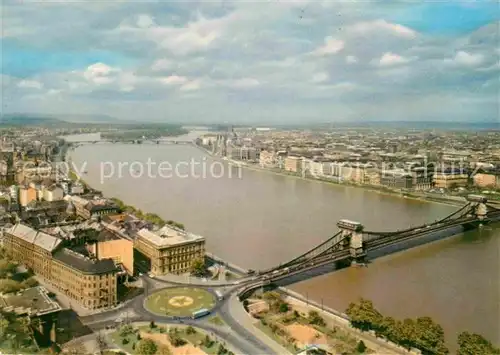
(80, 118)
(28, 120)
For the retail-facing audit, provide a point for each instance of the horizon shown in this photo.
(283, 63)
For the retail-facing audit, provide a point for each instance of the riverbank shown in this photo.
(445, 200)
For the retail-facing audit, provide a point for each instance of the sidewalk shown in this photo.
(187, 279)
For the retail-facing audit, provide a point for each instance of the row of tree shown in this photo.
(421, 333)
(149, 217)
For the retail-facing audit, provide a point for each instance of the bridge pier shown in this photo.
(352, 233)
(480, 207)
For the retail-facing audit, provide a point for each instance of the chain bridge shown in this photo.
(352, 244)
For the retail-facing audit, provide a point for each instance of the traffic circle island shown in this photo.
(179, 301)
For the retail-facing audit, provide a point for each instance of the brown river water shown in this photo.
(257, 219)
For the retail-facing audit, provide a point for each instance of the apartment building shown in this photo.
(169, 250)
(422, 178)
(267, 158)
(93, 208)
(450, 180)
(108, 244)
(396, 179)
(82, 277)
(27, 194)
(53, 193)
(293, 164)
(487, 180)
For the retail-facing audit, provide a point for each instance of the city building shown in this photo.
(27, 194)
(32, 171)
(267, 159)
(422, 178)
(293, 164)
(487, 180)
(450, 180)
(84, 278)
(93, 208)
(169, 250)
(396, 179)
(372, 177)
(108, 244)
(53, 193)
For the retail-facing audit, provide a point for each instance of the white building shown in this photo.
(53, 193)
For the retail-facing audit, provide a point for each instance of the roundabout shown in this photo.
(179, 301)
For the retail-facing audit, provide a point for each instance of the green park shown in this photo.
(179, 301)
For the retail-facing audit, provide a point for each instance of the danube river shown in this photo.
(257, 219)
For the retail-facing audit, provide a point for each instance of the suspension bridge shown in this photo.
(353, 244)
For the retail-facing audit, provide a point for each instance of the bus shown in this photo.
(219, 295)
(200, 313)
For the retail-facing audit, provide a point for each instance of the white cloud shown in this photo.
(145, 21)
(371, 27)
(320, 77)
(162, 64)
(468, 59)
(195, 36)
(173, 80)
(350, 59)
(191, 86)
(244, 83)
(390, 59)
(30, 84)
(53, 92)
(100, 73)
(331, 46)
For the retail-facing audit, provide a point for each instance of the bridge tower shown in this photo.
(480, 207)
(352, 234)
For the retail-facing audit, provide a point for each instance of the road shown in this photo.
(239, 336)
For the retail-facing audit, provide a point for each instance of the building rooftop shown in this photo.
(168, 236)
(85, 264)
(33, 301)
(43, 240)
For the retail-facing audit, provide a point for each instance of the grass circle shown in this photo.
(179, 301)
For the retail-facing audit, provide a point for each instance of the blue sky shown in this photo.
(286, 61)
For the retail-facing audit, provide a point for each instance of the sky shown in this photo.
(286, 61)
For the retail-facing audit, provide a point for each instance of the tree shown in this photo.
(198, 267)
(274, 299)
(190, 330)
(146, 347)
(284, 307)
(430, 336)
(361, 347)
(175, 224)
(163, 350)
(316, 319)
(221, 350)
(8, 286)
(364, 315)
(6, 268)
(175, 338)
(472, 344)
(152, 324)
(4, 325)
(126, 330)
(30, 282)
(101, 342)
(407, 332)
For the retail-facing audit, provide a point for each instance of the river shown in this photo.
(258, 219)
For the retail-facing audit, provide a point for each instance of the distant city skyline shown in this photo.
(253, 62)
